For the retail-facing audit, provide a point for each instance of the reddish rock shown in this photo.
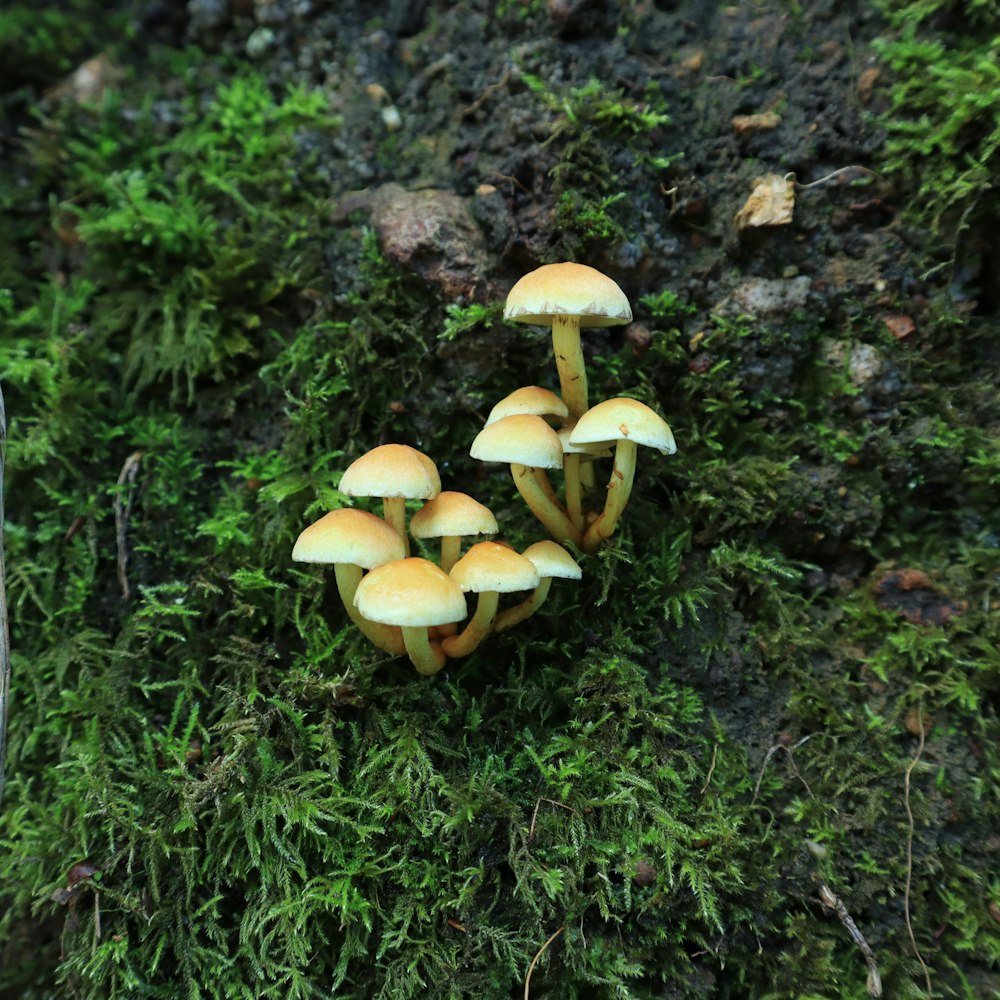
(912, 595)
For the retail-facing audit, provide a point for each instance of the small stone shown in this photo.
(900, 326)
(914, 722)
(645, 874)
(638, 337)
(866, 83)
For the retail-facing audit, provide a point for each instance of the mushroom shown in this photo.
(353, 540)
(567, 297)
(396, 473)
(629, 423)
(413, 594)
(529, 399)
(488, 569)
(528, 444)
(449, 516)
(551, 560)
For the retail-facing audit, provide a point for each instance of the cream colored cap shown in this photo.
(529, 399)
(551, 559)
(494, 568)
(349, 536)
(411, 592)
(615, 419)
(567, 290)
(451, 513)
(392, 470)
(599, 449)
(521, 438)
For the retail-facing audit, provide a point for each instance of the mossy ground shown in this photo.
(664, 765)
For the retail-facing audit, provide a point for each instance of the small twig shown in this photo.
(837, 173)
(538, 955)
(123, 511)
(551, 802)
(487, 93)
(4, 629)
(711, 769)
(770, 753)
(513, 180)
(833, 902)
(909, 850)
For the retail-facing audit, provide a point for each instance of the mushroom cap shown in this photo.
(451, 513)
(623, 418)
(492, 567)
(529, 399)
(551, 559)
(521, 438)
(392, 470)
(597, 449)
(567, 290)
(349, 536)
(410, 592)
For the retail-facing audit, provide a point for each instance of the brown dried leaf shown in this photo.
(770, 204)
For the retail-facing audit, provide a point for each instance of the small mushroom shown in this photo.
(529, 399)
(352, 540)
(528, 444)
(449, 516)
(551, 560)
(413, 594)
(395, 473)
(488, 569)
(567, 297)
(629, 423)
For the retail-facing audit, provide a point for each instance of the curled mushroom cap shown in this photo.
(529, 399)
(567, 289)
(413, 594)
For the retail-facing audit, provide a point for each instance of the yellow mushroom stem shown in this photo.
(517, 614)
(424, 653)
(451, 549)
(574, 492)
(387, 637)
(546, 485)
(394, 514)
(569, 363)
(479, 627)
(555, 521)
(619, 488)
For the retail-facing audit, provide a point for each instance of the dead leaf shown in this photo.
(770, 204)
(900, 326)
(747, 125)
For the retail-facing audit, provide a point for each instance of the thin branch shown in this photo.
(833, 902)
(538, 955)
(4, 628)
(551, 802)
(909, 850)
(123, 511)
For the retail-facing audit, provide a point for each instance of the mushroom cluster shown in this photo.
(413, 606)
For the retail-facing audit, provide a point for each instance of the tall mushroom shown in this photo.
(567, 297)
(488, 569)
(573, 457)
(551, 560)
(629, 423)
(395, 473)
(413, 594)
(352, 540)
(528, 444)
(449, 516)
